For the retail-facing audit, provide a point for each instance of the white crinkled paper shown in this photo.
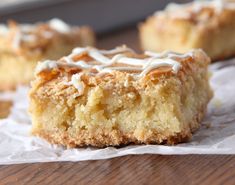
(216, 135)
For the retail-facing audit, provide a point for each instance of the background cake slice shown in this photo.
(208, 25)
(109, 98)
(23, 45)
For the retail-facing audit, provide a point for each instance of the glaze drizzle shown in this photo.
(25, 32)
(105, 63)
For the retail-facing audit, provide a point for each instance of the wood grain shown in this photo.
(142, 169)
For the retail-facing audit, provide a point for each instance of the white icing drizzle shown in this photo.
(219, 5)
(81, 64)
(116, 50)
(27, 27)
(46, 65)
(138, 67)
(59, 25)
(98, 56)
(77, 83)
(196, 5)
(28, 38)
(16, 41)
(3, 29)
(170, 54)
(25, 32)
(47, 34)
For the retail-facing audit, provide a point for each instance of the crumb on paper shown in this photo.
(207, 125)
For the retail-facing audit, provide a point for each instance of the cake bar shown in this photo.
(23, 45)
(117, 97)
(208, 25)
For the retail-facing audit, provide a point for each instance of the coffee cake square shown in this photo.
(116, 97)
(23, 45)
(208, 25)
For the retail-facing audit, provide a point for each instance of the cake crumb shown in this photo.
(207, 125)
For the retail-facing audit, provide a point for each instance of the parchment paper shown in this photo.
(216, 135)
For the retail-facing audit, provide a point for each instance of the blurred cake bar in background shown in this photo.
(117, 97)
(23, 45)
(209, 25)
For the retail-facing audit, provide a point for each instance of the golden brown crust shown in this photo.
(103, 139)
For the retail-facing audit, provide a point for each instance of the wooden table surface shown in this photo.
(141, 169)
